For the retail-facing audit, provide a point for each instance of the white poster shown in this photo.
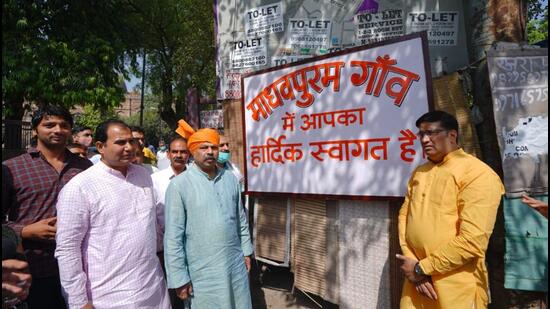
(249, 53)
(343, 125)
(264, 20)
(375, 27)
(442, 26)
(282, 60)
(312, 34)
(212, 119)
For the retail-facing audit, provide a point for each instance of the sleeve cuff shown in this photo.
(426, 266)
(248, 250)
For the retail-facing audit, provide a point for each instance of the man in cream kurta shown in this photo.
(446, 221)
(106, 241)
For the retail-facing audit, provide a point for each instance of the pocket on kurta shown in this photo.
(443, 196)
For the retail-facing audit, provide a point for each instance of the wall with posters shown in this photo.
(254, 35)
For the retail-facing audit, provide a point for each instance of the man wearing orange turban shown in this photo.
(207, 244)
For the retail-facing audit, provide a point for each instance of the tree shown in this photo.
(179, 38)
(63, 52)
(92, 117)
(537, 27)
(154, 128)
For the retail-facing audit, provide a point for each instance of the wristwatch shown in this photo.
(418, 270)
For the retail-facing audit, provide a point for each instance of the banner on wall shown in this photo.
(264, 20)
(340, 124)
(249, 53)
(212, 118)
(376, 27)
(312, 34)
(519, 86)
(442, 26)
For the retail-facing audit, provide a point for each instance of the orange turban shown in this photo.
(195, 139)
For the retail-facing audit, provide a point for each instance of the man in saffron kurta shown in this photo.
(207, 242)
(446, 221)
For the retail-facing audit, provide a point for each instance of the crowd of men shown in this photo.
(113, 231)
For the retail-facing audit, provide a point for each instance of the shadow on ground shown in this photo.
(271, 288)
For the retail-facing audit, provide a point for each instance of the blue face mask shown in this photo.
(224, 157)
(162, 148)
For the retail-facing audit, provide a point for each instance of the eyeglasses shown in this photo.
(429, 133)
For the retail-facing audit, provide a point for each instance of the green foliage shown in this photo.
(64, 52)
(179, 38)
(91, 117)
(537, 29)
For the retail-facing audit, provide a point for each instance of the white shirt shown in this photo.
(161, 180)
(106, 240)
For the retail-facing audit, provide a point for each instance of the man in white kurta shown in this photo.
(106, 240)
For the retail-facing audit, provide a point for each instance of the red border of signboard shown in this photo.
(424, 39)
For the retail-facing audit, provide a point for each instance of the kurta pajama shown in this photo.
(445, 223)
(206, 238)
(106, 241)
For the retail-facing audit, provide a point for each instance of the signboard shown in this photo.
(212, 119)
(249, 53)
(264, 20)
(340, 124)
(375, 27)
(519, 86)
(309, 33)
(442, 26)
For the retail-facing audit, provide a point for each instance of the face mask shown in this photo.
(162, 148)
(224, 157)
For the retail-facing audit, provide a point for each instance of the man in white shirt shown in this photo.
(178, 154)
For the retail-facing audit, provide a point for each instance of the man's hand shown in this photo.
(247, 262)
(425, 287)
(538, 205)
(43, 230)
(16, 281)
(88, 306)
(407, 267)
(184, 292)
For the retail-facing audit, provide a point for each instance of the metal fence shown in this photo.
(16, 134)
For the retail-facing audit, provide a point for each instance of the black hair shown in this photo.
(447, 121)
(137, 129)
(102, 128)
(176, 138)
(51, 110)
(78, 129)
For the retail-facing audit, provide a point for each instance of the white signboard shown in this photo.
(309, 33)
(442, 26)
(212, 119)
(338, 125)
(282, 60)
(375, 27)
(264, 20)
(249, 53)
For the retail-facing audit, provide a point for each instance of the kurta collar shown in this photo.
(451, 155)
(114, 172)
(197, 170)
